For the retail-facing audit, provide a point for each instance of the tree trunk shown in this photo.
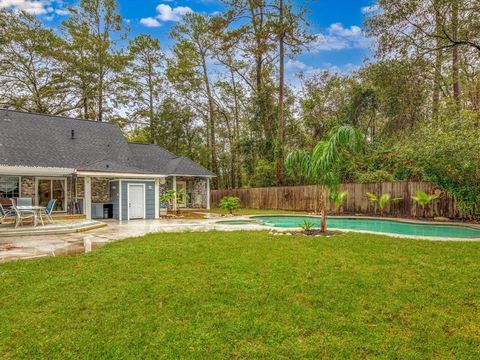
(455, 65)
(100, 95)
(150, 106)
(281, 120)
(211, 119)
(85, 106)
(323, 226)
(438, 66)
(236, 133)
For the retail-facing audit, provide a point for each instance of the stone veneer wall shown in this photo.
(196, 188)
(100, 190)
(199, 193)
(80, 187)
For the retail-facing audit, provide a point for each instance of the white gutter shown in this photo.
(35, 171)
(119, 175)
(207, 176)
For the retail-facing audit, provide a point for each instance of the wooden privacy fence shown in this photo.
(303, 198)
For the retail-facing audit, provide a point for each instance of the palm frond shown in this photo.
(343, 138)
(372, 197)
(298, 162)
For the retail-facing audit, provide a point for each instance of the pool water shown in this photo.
(380, 226)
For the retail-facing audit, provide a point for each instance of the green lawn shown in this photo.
(246, 295)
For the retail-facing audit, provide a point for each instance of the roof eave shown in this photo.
(15, 170)
(189, 175)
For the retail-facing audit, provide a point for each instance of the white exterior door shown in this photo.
(136, 201)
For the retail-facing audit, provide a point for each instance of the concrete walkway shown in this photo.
(29, 247)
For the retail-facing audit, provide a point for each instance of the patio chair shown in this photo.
(21, 215)
(49, 210)
(6, 214)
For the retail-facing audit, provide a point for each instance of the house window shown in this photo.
(9, 186)
(52, 188)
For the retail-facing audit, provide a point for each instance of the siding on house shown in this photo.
(114, 190)
(149, 198)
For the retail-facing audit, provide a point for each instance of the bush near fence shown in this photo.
(306, 198)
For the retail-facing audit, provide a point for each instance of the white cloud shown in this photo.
(62, 12)
(338, 37)
(34, 7)
(48, 8)
(150, 22)
(295, 65)
(366, 10)
(165, 13)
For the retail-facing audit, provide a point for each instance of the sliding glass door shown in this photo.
(52, 188)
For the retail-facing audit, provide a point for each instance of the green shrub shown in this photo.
(448, 154)
(377, 176)
(423, 199)
(230, 203)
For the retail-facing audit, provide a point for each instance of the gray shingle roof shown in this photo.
(158, 160)
(36, 140)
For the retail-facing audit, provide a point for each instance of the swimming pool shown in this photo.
(375, 225)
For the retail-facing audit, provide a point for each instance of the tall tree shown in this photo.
(102, 26)
(291, 29)
(189, 69)
(426, 27)
(31, 77)
(146, 79)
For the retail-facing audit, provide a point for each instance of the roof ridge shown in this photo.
(55, 116)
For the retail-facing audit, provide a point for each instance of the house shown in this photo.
(90, 168)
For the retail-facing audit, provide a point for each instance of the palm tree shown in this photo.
(321, 165)
(423, 199)
(382, 200)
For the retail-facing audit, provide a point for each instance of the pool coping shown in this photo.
(412, 221)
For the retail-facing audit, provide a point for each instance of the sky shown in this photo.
(341, 45)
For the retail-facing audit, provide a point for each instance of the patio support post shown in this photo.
(174, 187)
(208, 193)
(157, 198)
(88, 197)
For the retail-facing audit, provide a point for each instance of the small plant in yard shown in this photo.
(230, 203)
(171, 196)
(307, 226)
(338, 198)
(382, 201)
(423, 199)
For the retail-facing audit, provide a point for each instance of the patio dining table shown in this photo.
(37, 212)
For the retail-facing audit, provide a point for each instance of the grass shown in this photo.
(246, 295)
(256, 211)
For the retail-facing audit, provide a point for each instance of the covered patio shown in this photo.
(101, 195)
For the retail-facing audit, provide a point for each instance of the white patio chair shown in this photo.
(21, 215)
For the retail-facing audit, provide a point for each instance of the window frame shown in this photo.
(19, 184)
